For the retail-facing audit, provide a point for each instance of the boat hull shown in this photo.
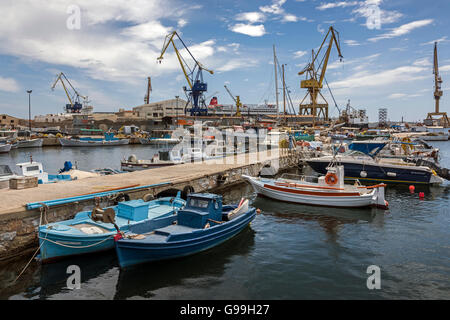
(132, 252)
(315, 198)
(103, 143)
(5, 148)
(34, 143)
(130, 167)
(375, 173)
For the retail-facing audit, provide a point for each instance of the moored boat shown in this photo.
(94, 231)
(5, 147)
(108, 140)
(201, 225)
(31, 143)
(328, 190)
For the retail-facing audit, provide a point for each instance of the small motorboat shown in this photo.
(202, 224)
(5, 147)
(36, 169)
(29, 143)
(94, 231)
(108, 140)
(161, 159)
(328, 190)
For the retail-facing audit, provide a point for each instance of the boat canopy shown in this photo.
(369, 148)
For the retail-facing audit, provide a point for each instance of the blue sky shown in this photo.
(115, 49)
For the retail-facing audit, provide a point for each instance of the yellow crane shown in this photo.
(193, 75)
(315, 77)
(237, 100)
(438, 93)
(74, 105)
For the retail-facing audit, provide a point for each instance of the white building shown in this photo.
(161, 109)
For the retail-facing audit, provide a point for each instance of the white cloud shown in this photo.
(181, 23)
(397, 95)
(352, 43)
(403, 29)
(8, 85)
(249, 29)
(274, 8)
(237, 64)
(299, 54)
(367, 79)
(103, 48)
(340, 4)
(251, 17)
(443, 39)
(424, 62)
(365, 10)
(291, 18)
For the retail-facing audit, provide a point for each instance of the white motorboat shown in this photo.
(5, 175)
(328, 190)
(5, 147)
(30, 143)
(161, 159)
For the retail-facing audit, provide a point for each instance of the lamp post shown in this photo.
(29, 109)
(176, 110)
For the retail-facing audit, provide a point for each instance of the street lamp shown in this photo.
(176, 110)
(29, 109)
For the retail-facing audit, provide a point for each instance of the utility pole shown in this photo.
(284, 95)
(276, 77)
(29, 109)
(177, 110)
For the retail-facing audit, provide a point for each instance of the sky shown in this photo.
(108, 48)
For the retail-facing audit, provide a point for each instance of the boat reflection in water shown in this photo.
(157, 280)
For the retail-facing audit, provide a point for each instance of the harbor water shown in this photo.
(288, 252)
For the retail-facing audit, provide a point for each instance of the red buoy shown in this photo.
(421, 195)
(411, 188)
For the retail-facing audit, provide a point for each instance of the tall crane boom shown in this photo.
(315, 77)
(237, 100)
(194, 76)
(74, 105)
(438, 93)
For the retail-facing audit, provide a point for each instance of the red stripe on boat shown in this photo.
(312, 193)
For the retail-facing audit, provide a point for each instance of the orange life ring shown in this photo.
(331, 179)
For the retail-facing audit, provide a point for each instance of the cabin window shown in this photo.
(33, 168)
(198, 203)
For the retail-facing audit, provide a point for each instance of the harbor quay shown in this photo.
(22, 211)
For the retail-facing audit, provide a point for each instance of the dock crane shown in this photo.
(194, 77)
(315, 77)
(237, 100)
(438, 93)
(149, 89)
(74, 105)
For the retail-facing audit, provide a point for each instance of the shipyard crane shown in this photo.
(193, 75)
(237, 100)
(74, 105)
(315, 77)
(438, 93)
(149, 89)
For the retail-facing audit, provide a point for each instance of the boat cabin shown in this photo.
(200, 209)
(33, 169)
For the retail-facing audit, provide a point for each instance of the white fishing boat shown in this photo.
(30, 143)
(5, 175)
(108, 140)
(5, 147)
(161, 159)
(328, 190)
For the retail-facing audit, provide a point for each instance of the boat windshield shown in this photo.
(5, 171)
(198, 203)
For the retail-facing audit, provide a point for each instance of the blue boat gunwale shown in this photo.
(204, 233)
(82, 217)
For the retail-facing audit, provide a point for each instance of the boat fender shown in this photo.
(331, 178)
(148, 197)
(258, 211)
(363, 174)
(186, 191)
(207, 226)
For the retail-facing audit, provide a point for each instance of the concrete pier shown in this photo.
(18, 226)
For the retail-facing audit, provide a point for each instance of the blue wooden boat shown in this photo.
(202, 224)
(94, 231)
